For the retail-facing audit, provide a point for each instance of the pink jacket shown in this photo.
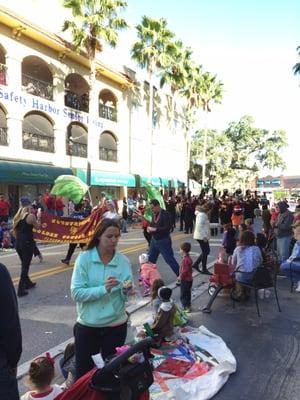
(150, 272)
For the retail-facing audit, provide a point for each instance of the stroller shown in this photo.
(119, 379)
(222, 278)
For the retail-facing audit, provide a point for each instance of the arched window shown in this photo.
(108, 147)
(3, 66)
(107, 105)
(3, 128)
(38, 132)
(37, 78)
(77, 92)
(76, 138)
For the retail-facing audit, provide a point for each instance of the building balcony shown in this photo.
(37, 87)
(108, 112)
(108, 154)
(76, 101)
(3, 137)
(3, 74)
(34, 141)
(77, 149)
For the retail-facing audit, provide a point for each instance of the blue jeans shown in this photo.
(283, 248)
(244, 277)
(163, 246)
(291, 270)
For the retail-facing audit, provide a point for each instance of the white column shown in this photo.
(14, 72)
(14, 133)
(59, 90)
(60, 146)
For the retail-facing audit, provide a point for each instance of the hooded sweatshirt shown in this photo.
(149, 272)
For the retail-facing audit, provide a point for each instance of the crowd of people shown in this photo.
(102, 278)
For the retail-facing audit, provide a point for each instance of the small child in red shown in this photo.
(148, 273)
(186, 276)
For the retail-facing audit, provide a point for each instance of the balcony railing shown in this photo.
(2, 74)
(77, 149)
(108, 112)
(3, 137)
(37, 87)
(76, 101)
(34, 141)
(108, 154)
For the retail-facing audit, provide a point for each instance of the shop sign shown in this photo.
(29, 102)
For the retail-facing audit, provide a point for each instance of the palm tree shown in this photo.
(152, 51)
(94, 21)
(203, 90)
(296, 67)
(176, 72)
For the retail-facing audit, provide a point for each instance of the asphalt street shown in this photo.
(48, 312)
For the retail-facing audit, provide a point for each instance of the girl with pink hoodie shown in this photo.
(148, 273)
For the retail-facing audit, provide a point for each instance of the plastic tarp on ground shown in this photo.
(194, 367)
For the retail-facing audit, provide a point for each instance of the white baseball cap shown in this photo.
(143, 258)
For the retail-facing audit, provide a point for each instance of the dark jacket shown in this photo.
(163, 323)
(10, 329)
(162, 225)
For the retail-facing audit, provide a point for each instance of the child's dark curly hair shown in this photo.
(41, 372)
(158, 283)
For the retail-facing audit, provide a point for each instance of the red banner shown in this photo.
(67, 230)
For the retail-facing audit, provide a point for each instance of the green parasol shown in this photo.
(71, 187)
(152, 193)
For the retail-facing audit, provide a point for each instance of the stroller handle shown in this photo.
(136, 348)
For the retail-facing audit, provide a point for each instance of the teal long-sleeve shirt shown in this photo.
(95, 306)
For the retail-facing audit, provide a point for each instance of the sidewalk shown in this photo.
(266, 348)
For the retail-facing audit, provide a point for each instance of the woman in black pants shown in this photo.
(23, 224)
(202, 235)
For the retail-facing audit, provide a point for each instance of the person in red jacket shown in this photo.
(4, 208)
(186, 276)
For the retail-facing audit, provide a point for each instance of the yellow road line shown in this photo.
(57, 270)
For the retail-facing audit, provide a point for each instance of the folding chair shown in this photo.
(263, 278)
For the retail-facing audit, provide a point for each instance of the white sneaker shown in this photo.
(261, 293)
(298, 287)
(267, 293)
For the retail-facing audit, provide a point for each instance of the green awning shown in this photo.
(27, 173)
(165, 182)
(174, 183)
(102, 178)
(155, 181)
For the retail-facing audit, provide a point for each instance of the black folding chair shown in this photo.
(263, 278)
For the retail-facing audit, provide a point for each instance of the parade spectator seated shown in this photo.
(148, 273)
(7, 239)
(291, 266)
(246, 258)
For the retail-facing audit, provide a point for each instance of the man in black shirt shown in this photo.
(161, 241)
(10, 337)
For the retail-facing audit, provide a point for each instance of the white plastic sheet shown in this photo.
(205, 386)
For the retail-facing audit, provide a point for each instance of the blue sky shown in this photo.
(251, 46)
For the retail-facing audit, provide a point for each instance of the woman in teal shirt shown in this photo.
(100, 282)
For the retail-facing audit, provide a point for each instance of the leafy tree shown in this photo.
(219, 154)
(255, 148)
(94, 21)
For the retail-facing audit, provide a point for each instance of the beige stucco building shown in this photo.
(52, 122)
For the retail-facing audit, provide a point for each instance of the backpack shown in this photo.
(180, 317)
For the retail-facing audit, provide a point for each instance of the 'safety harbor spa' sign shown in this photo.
(30, 102)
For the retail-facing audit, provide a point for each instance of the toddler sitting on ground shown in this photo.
(148, 273)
